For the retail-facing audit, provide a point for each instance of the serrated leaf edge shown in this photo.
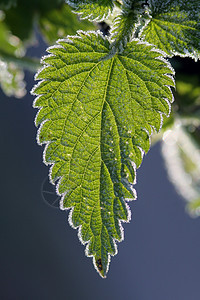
(57, 181)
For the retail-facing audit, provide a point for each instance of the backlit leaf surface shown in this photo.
(96, 114)
(175, 27)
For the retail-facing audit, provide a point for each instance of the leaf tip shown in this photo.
(99, 267)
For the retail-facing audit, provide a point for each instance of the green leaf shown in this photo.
(96, 114)
(175, 27)
(61, 22)
(92, 10)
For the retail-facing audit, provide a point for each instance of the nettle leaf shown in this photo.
(96, 114)
(174, 27)
(92, 10)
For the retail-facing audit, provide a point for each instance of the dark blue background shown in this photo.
(41, 257)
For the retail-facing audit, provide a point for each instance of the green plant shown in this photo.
(17, 18)
(101, 100)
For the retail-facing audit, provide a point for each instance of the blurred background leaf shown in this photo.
(9, 43)
(182, 159)
(59, 23)
(11, 76)
(18, 21)
(181, 141)
(6, 4)
(12, 80)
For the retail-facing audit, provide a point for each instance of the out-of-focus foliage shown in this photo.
(59, 23)
(11, 80)
(181, 142)
(182, 157)
(9, 43)
(6, 4)
(11, 77)
(188, 92)
(52, 15)
(17, 20)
